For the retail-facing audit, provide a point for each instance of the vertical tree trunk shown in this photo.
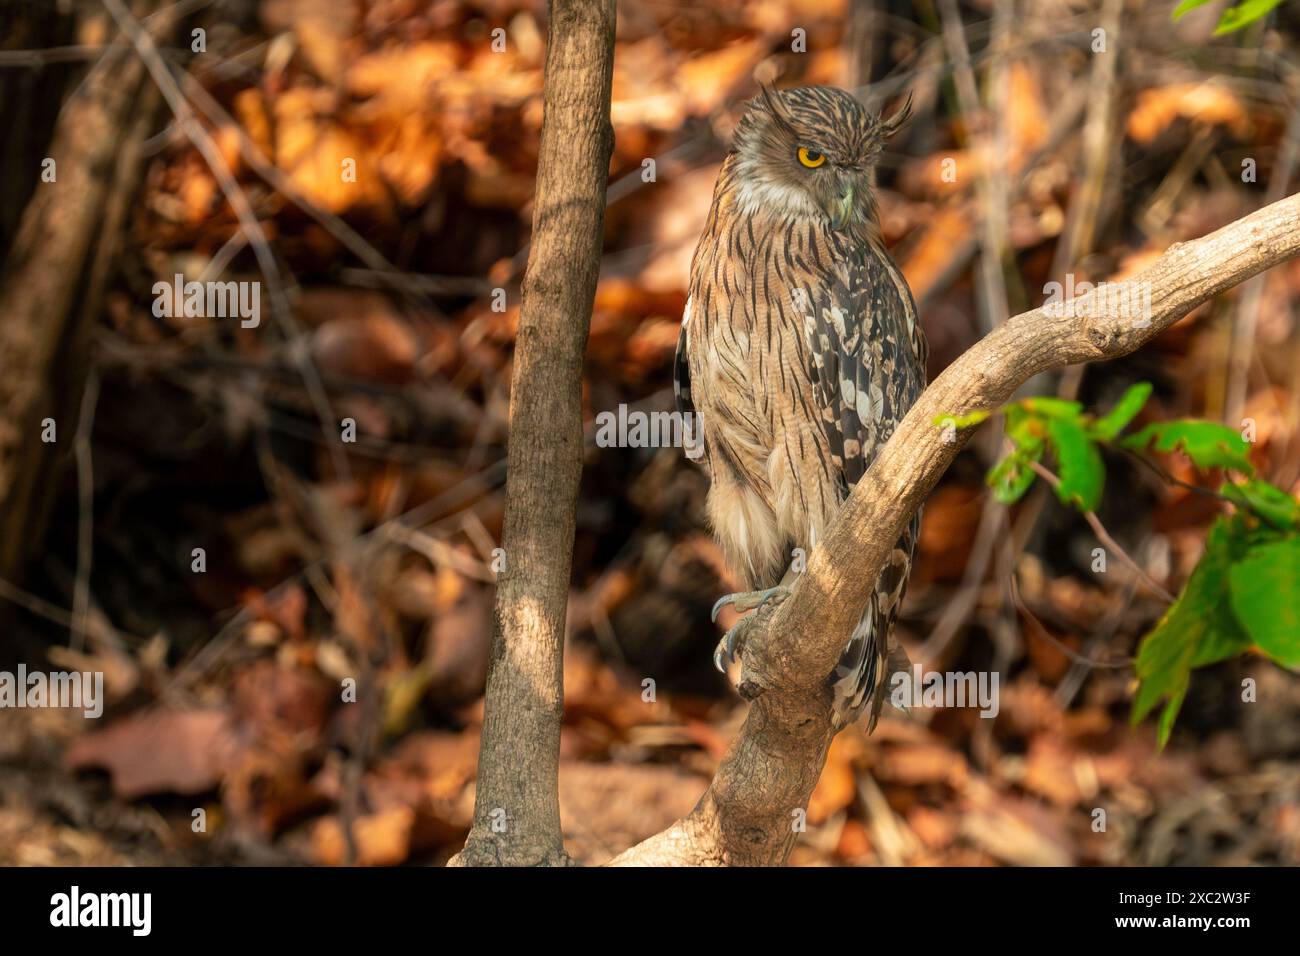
(57, 265)
(31, 95)
(517, 808)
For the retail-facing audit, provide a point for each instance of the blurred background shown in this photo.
(1049, 138)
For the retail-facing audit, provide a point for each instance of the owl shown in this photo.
(800, 351)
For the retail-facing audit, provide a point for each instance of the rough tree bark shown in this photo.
(745, 815)
(517, 807)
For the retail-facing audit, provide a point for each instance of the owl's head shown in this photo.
(809, 152)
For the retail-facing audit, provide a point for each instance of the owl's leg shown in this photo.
(732, 641)
(749, 600)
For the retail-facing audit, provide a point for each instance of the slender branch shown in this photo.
(1083, 659)
(517, 808)
(85, 509)
(1105, 538)
(1242, 348)
(1166, 477)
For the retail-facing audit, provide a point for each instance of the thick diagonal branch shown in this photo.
(517, 812)
(747, 813)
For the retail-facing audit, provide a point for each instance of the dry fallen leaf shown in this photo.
(1207, 103)
(382, 839)
(922, 764)
(460, 639)
(854, 842)
(371, 348)
(161, 751)
(1019, 833)
(1049, 770)
(268, 696)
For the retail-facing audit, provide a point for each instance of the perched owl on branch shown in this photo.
(800, 350)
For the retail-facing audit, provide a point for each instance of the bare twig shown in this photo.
(1085, 206)
(990, 185)
(85, 509)
(1105, 538)
(1252, 295)
(188, 124)
(958, 608)
(1043, 632)
(1098, 143)
(98, 629)
(439, 553)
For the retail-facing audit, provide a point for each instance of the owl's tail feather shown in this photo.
(854, 678)
(872, 653)
(862, 677)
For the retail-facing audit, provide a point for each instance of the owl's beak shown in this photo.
(840, 209)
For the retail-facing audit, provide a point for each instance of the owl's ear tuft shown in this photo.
(772, 100)
(888, 127)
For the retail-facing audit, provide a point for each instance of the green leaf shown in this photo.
(1167, 716)
(1012, 477)
(1243, 15)
(1268, 502)
(1048, 407)
(1187, 5)
(961, 421)
(1198, 629)
(1027, 432)
(1125, 410)
(1266, 598)
(1207, 444)
(1082, 473)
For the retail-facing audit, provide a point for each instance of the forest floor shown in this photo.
(229, 736)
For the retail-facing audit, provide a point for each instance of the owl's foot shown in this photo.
(733, 640)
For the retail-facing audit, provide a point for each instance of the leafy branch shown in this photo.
(1243, 595)
(1234, 18)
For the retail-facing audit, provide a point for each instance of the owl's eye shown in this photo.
(810, 157)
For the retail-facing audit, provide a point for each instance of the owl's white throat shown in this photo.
(757, 194)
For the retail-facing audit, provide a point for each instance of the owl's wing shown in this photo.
(682, 381)
(866, 359)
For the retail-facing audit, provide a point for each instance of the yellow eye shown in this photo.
(810, 157)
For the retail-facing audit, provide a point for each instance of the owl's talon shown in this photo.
(718, 605)
(744, 601)
(729, 647)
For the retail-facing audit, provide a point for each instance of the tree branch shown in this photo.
(53, 275)
(1104, 536)
(745, 816)
(517, 807)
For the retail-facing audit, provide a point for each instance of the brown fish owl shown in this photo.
(801, 351)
